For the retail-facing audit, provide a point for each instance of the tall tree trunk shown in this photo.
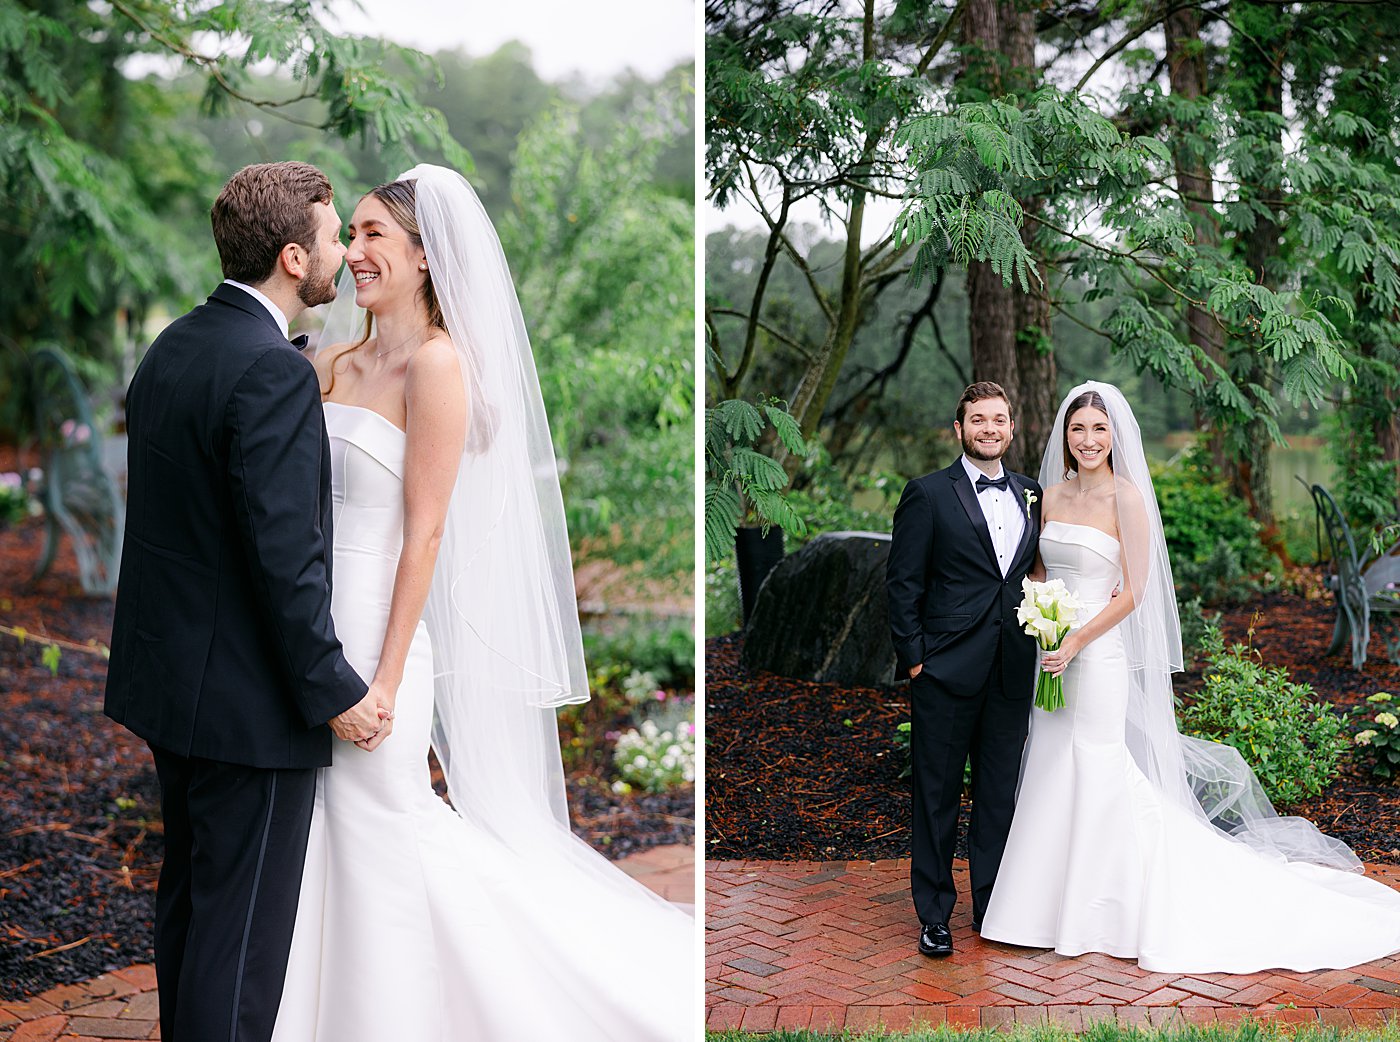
(1036, 372)
(992, 317)
(1186, 65)
(819, 380)
(1259, 53)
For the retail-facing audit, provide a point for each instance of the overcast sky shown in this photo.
(598, 38)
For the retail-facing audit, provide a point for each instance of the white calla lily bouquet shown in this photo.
(1047, 611)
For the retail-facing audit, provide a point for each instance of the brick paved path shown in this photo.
(832, 945)
(122, 1005)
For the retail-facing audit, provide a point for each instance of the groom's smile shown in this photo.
(986, 429)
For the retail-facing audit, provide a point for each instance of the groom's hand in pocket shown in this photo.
(915, 670)
(359, 721)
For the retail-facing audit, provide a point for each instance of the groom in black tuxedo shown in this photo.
(963, 540)
(224, 658)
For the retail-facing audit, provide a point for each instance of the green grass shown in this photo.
(1249, 1031)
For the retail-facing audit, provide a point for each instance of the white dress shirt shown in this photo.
(1005, 514)
(272, 309)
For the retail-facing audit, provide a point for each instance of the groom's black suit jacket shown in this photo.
(222, 644)
(949, 603)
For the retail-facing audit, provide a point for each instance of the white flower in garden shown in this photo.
(1364, 737)
(10, 480)
(1388, 720)
(639, 762)
(1379, 696)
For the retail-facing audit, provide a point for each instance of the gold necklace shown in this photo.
(406, 342)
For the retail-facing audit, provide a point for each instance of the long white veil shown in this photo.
(1209, 779)
(503, 621)
(501, 612)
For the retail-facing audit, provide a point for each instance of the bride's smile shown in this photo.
(387, 266)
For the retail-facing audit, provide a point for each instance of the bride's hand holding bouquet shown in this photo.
(1047, 611)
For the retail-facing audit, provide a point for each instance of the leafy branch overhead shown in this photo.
(972, 163)
(1209, 192)
(740, 479)
(81, 208)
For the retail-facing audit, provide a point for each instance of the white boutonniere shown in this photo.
(1031, 497)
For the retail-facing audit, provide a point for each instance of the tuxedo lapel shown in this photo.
(1026, 534)
(967, 495)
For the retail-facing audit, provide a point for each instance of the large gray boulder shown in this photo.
(821, 614)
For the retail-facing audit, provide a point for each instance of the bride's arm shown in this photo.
(436, 429)
(1134, 550)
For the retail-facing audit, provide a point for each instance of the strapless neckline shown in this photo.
(372, 412)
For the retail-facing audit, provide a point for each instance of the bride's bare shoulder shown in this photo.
(435, 358)
(325, 360)
(1054, 493)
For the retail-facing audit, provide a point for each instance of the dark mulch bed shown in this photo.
(809, 771)
(80, 832)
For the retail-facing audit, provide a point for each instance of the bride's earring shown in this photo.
(422, 267)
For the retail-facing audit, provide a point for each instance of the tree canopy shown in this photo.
(1207, 190)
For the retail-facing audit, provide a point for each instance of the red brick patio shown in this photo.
(122, 1005)
(830, 945)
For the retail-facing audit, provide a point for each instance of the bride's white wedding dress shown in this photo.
(1098, 861)
(415, 924)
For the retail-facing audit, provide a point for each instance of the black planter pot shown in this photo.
(757, 554)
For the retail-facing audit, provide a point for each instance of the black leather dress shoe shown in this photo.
(935, 940)
(977, 925)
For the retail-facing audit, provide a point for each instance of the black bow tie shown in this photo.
(985, 482)
(300, 342)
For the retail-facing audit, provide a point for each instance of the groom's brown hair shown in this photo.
(981, 391)
(262, 208)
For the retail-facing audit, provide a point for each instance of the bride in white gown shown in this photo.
(1130, 838)
(488, 920)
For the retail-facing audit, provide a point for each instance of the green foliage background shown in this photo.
(107, 174)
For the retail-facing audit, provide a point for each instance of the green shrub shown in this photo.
(723, 612)
(664, 648)
(1195, 624)
(1213, 543)
(14, 499)
(1292, 743)
(1377, 739)
(827, 499)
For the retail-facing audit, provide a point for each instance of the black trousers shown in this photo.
(990, 727)
(235, 845)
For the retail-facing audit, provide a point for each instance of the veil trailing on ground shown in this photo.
(1208, 779)
(501, 612)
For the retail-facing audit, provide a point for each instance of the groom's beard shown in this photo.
(318, 287)
(985, 452)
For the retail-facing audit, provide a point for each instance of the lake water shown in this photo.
(1304, 456)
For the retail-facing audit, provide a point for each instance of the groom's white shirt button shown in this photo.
(261, 298)
(999, 508)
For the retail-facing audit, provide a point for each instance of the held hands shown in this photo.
(383, 694)
(357, 722)
(368, 722)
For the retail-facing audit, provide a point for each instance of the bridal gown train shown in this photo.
(1097, 862)
(416, 924)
